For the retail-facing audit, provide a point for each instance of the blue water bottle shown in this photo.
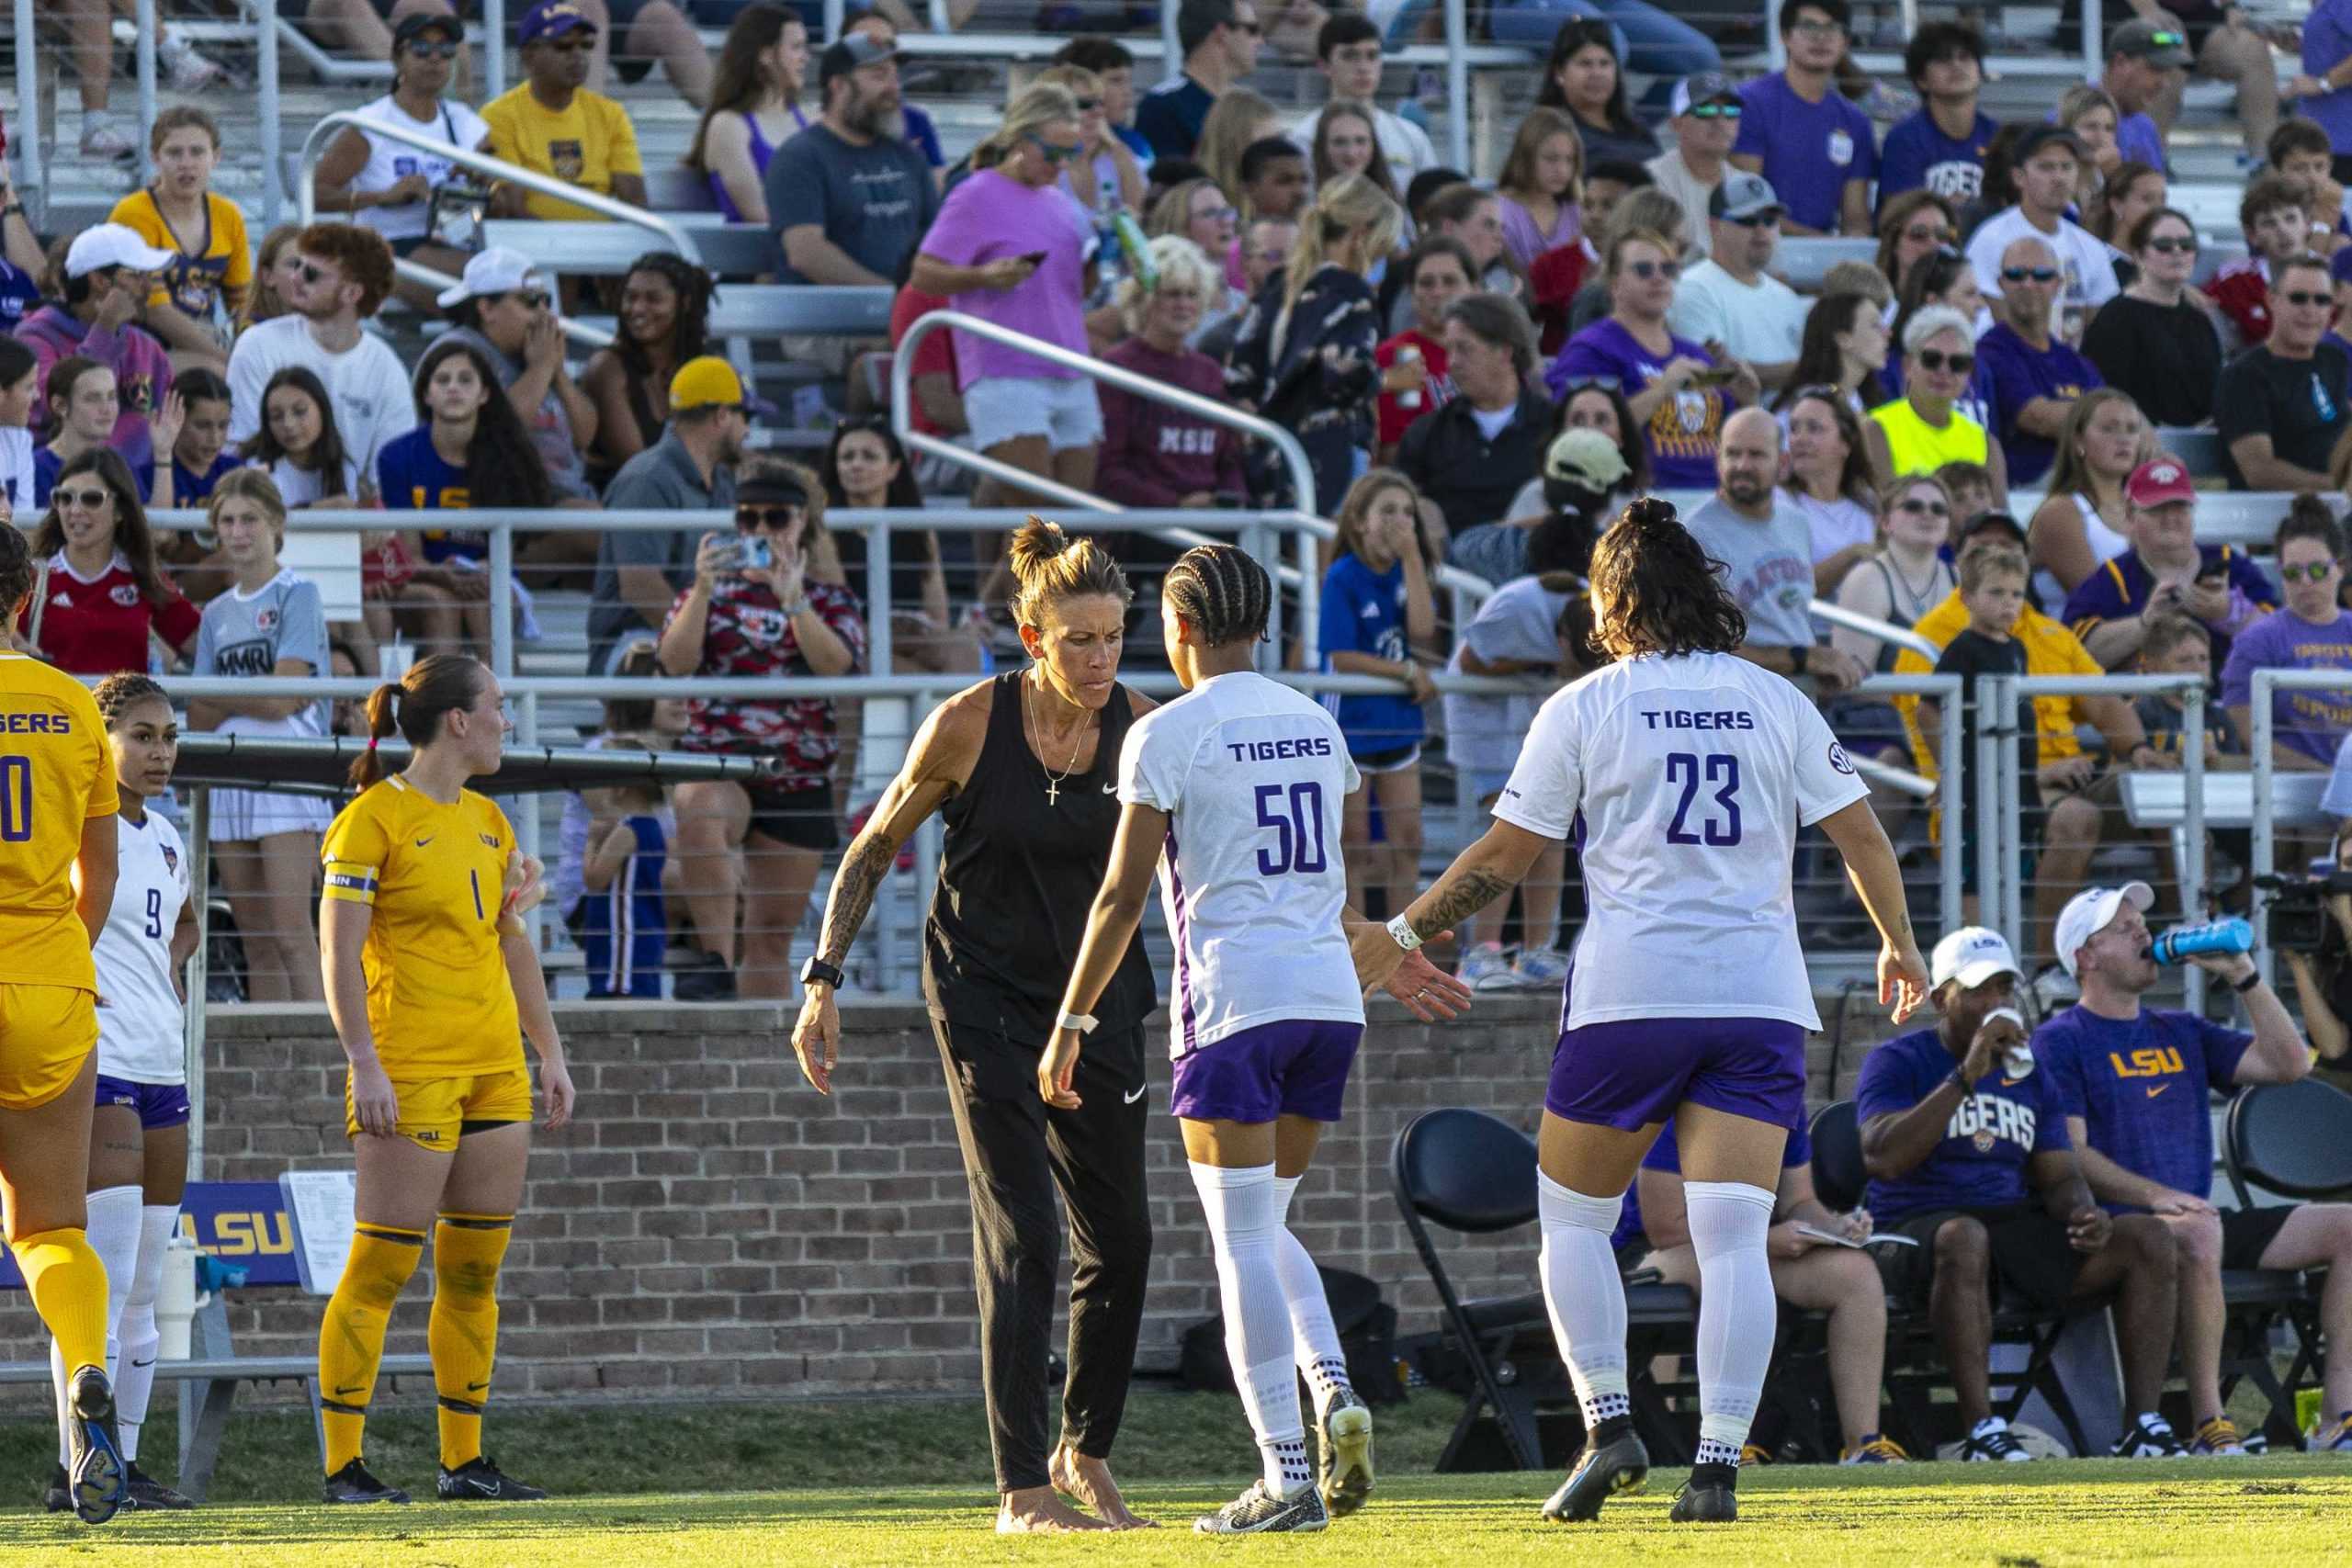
(2183, 943)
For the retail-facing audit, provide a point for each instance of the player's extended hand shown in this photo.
(524, 887)
(1056, 1068)
(1901, 978)
(2088, 1228)
(817, 1037)
(373, 1103)
(1428, 992)
(1375, 952)
(555, 1080)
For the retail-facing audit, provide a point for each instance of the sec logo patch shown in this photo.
(1839, 759)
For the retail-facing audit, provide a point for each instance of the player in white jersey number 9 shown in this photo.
(1685, 771)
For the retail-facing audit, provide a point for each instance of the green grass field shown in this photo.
(876, 1484)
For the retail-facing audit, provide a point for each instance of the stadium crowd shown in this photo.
(1482, 372)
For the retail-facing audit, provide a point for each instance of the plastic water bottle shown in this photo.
(2017, 1061)
(175, 1298)
(1411, 397)
(2183, 943)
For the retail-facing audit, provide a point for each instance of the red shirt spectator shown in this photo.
(2241, 291)
(101, 593)
(935, 357)
(1438, 273)
(1395, 416)
(748, 634)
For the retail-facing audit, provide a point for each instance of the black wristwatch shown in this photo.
(1799, 657)
(2248, 984)
(817, 971)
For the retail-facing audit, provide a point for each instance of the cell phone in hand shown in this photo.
(754, 554)
(1715, 375)
(1034, 258)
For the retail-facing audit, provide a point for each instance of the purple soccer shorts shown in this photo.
(1290, 1068)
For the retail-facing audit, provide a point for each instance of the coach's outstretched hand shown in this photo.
(817, 1036)
(1428, 992)
(1901, 978)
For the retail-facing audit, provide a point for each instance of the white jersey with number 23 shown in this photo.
(1251, 774)
(1692, 774)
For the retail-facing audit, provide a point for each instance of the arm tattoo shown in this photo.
(854, 885)
(1458, 894)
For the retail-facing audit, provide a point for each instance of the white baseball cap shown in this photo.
(1971, 955)
(493, 271)
(103, 245)
(2088, 913)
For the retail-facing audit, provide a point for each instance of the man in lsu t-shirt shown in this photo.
(2135, 1083)
(1958, 1140)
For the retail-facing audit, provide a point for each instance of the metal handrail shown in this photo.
(314, 144)
(2262, 745)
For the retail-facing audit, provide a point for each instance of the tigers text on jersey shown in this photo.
(141, 1019)
(1692, 774)
(55, 775)
(1251, 774)
(439, 1001)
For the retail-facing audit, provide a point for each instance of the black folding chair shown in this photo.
(2295, 1140)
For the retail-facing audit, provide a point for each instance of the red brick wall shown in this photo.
(709, 1222)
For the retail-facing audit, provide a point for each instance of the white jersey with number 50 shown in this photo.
(1692, 774)
(1251, 774)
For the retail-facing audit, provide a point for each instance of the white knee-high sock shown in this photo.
(1315, 1342)
(137, 1334)
(113, 1230)
(1244, 1209)
(1737, 1311)
(1584, 1294)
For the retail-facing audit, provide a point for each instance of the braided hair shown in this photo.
(1656, 590)
(689, 331)
(119, 692)
(1222, 591)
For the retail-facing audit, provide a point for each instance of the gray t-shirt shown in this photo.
(875, 202)
(663, 477)
(551, 431)
(247, 635)
(1768, 567)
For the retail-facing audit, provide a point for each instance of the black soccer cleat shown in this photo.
(95, 1474)
(58, 1496)
(146, 1492)
(352, 1483)
(479, 1481)
(1699, 1504)
(1601, 1471)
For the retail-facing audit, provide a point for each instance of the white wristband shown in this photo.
(1082, 1022)
(1402, 930)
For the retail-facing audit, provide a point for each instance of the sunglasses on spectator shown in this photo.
(1715, 111)
(1929, 508)
(1650, 269)
(87, 500)
(1818, 28)
(1088, 105)
(428, 49)
(1591, 383)
(749, 517)
(535, 299)
(1937, 359)
(2038, 273)
(1216, 215)
(1927, 236)
(2315, 572)
(2168, 245)
(1055, 154)
(2298, 297)
(1755, 220)
(2167, 40)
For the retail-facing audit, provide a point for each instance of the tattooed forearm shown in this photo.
(854, 885)
(1460, 892)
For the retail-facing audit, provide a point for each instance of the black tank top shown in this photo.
(1018, 874)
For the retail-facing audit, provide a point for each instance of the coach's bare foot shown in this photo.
(1035, 1510)
(1089, 1480)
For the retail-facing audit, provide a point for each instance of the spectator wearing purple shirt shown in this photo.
(2147, 64)
(2324, 87)
(2310, 631)
(1818, 150)
(1676, 392)
(1941, 148)
(1011, 247)
(2036, 378)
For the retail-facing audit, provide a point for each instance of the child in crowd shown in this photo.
(1970, 485)
(300, 445)
(202, 454)
(1992, 590)
(623, 926)
(2181, 644)
(629, 720)
(84, 405)
(1376, 606)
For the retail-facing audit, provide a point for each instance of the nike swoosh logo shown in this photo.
(148, 1362)
(1109, 789)
(477, 1387)
(1138, 1093)
(354, 1388)
(2158, 1090)
(427, 839)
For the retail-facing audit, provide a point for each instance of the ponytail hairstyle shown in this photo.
(1656, 590)
(1347, 204)
(1051, 566)
(119, 692)
(15, 572)
(436, 686)
(1224, 593)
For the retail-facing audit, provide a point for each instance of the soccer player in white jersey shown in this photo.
(1686, 771)
(1234, 791)
(139, 1133)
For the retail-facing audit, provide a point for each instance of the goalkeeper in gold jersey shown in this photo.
(432, 982)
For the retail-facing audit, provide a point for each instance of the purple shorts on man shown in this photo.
(1629, 1073)
(158, 1104)
(1290, 1068)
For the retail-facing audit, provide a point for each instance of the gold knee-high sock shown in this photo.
(67, 1282)
(351, 1339)
(463, 1334)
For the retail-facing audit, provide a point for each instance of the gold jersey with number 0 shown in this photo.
(439, 1001)
(55, 775)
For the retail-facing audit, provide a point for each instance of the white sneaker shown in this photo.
(189, 71)
(1260, 1512)
(1991, 1440)
(103, 137)
(1485, 967)
(1540, 969)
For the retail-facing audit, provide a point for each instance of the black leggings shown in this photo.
(1017, 1150)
